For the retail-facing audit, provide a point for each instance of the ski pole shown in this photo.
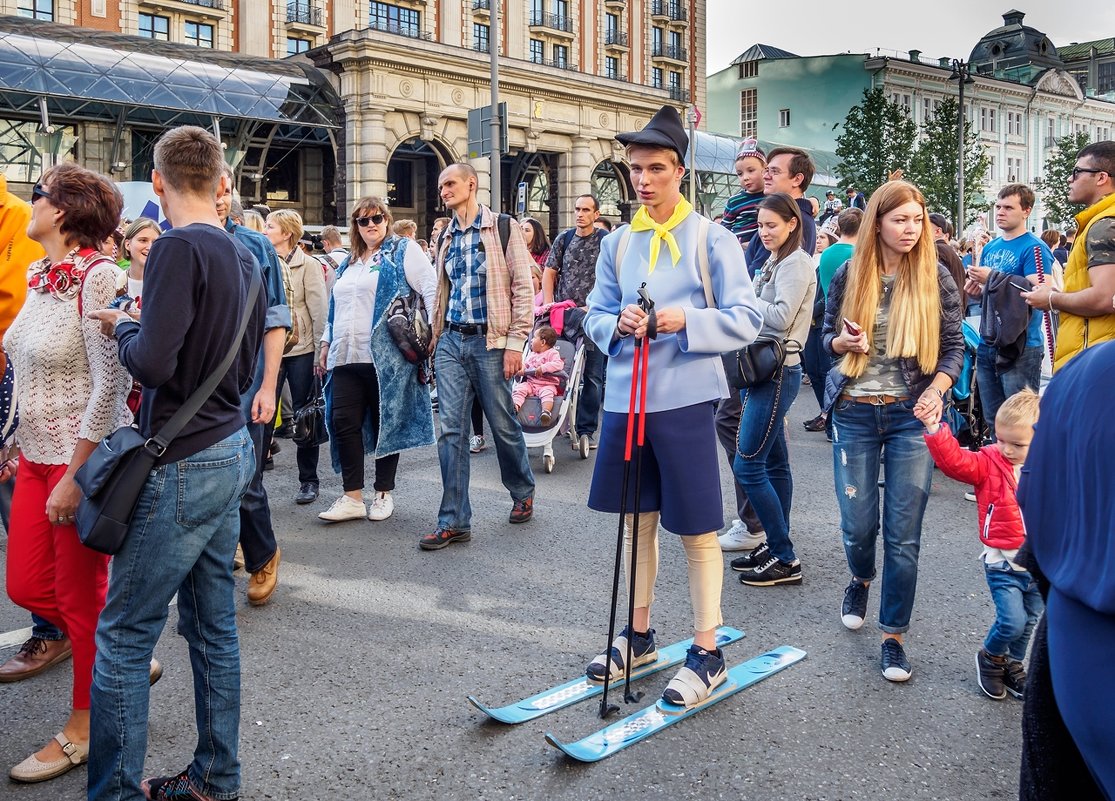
(606, 708)
(642, 356)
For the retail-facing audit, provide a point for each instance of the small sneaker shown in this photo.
(441, 538)
(970, 496)
(546, 418)
(738, 538)
(344, 508)
(476, 443)
(381, 507)
(522, 511)
(703, 672)
(1015, 678)
(772, 571)
(895, 665)
(643, 651)
(854, 609)
(173, 788)
(751, 560)
(991, 675)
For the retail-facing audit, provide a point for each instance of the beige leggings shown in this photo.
(706, 569)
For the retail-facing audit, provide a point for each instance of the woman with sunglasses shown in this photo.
(893, 322)
(309, 305)
(374, 401)
(71, 392)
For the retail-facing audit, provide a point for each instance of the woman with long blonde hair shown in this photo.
(893, 322)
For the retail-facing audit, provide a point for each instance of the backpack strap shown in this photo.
(621, 248)
(503, 225)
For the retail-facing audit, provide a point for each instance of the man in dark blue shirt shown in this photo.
(257, 536)
(185, 526)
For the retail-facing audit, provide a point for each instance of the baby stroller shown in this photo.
(570, 344)
(965, 414)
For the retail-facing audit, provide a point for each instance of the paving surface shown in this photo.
(355, 675)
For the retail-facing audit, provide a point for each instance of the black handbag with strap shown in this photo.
(309, 421)
(113, 476)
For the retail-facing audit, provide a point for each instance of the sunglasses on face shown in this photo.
(374, 219)
(37, 192)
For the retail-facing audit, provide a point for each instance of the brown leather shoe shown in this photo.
(263, 582)
(35, 656)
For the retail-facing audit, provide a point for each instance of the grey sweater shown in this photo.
(786, 301)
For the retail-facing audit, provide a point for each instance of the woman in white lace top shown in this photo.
(71, 391)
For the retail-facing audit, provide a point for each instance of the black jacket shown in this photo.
(951, 355)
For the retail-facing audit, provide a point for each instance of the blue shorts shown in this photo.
(681, 469)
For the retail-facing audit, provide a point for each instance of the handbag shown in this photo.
(409, 327)
(758, 362)
(113, 476)
(309, 421)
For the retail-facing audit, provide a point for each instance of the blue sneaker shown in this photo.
(895, 665)
(704, 671)
(643, 651)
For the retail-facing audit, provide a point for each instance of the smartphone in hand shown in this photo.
(852, 328)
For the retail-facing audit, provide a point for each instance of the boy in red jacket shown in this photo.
(994, 472)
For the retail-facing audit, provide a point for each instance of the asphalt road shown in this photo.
(355, 675)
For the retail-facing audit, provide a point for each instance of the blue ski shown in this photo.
(652, 719)
(581, 689)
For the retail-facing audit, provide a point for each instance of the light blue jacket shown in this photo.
(685, 368)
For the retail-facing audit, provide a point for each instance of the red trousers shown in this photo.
(51, 574)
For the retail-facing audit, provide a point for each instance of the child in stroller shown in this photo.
(541, 373)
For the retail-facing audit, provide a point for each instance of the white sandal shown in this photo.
(32, 770)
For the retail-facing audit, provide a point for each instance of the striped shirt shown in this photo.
(741, 215)
(466, 264)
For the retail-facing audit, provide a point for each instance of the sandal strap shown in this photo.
(72, 752)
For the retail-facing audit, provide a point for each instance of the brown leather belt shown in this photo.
(874, 400)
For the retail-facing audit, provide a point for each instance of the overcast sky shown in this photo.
(941, 28)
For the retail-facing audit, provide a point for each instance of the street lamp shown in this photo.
(962, 75)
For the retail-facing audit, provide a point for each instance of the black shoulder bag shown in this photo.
(113, 476)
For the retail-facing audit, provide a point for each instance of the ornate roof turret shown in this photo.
(1014, 51)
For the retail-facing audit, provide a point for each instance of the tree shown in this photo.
(933, 167)
(878, 138)
(1054, 184)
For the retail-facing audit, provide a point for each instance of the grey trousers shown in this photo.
(727, 429)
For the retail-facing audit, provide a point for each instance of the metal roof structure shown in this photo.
(758, 52)
(57, 70)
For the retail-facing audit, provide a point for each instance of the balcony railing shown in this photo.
(615, 75)
(556, 22)
(482, 47)
(305, 13)
(219, 5)
(673, 52)
(618, 38)
(679, 94)
(560, 63)
(401, 30)
(670, 9)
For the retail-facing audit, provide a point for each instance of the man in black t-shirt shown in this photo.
(186, 523)
(570, 274)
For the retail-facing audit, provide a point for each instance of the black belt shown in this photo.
(470, 329)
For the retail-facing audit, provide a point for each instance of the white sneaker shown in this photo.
(737, 538)
(476, 443)
(381, 507)
(344, 508)
(970, 496)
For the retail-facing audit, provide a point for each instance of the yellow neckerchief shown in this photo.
(643, 222)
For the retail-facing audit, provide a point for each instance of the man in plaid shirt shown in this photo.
(481, 321)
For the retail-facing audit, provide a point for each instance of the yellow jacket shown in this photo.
(17, 252)
(1077, 333)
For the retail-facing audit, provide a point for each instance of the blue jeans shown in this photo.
(466, 369)
(996, 385)
(762, 461)
(182, 539)
(592, 392)
(1018, 605)
(860, 431)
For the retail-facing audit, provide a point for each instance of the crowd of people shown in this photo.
(109, 323)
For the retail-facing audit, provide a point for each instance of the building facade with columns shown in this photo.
(401, 78)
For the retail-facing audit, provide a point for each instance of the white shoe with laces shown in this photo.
(381, 507)
(737, 538)
(344, 508)
(476, 443)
